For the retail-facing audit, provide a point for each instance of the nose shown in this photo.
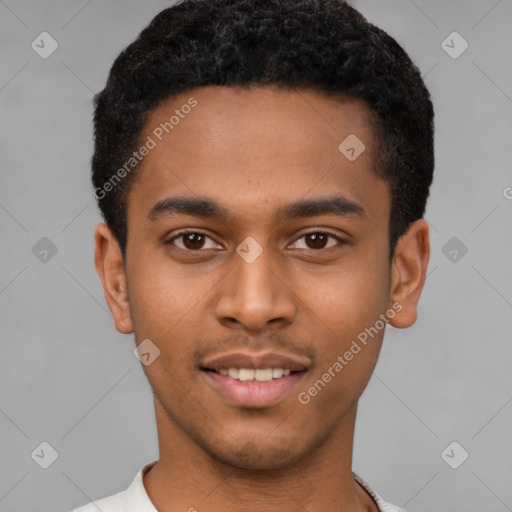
(255, 296)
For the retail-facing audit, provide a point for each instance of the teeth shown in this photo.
(261, 375)
(233, 373)
(277, 372)
(245, 374)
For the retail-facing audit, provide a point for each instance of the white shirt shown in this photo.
(136, 499)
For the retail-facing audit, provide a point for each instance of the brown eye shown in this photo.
(317, 240)
(193, 241)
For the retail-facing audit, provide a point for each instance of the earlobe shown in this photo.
(408, 272)
(108, 260)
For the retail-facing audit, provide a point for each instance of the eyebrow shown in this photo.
(333, 205)
(208, 208)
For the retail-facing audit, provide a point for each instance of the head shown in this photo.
(302, 130)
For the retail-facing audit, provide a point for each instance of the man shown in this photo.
(263, 169)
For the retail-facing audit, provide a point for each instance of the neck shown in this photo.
(186, 477)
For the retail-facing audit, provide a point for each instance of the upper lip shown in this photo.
(256, 361)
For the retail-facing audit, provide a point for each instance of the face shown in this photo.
(258, 248)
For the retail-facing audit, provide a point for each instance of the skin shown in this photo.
(253, 151)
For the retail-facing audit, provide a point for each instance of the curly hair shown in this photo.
(323, 45)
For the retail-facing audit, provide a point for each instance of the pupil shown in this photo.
(193, 241)
(318, 239)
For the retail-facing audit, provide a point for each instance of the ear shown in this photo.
(109, 264)
(408, 272)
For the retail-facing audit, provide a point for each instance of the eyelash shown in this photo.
(188, 232)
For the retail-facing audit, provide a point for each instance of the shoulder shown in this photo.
(133, 499)
(383, 506)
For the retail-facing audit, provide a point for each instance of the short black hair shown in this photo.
(321, 45)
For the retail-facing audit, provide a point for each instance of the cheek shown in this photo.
(349, 299)
(162, 294)
(345, 307)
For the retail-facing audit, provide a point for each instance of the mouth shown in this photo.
(251, 374)
(254, 381)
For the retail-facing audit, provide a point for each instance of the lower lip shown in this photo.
(253, 393)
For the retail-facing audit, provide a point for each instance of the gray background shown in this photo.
(68, 378)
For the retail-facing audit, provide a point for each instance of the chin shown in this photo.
(257, 457)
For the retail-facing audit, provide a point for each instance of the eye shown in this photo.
(318, 240)
(193, 241)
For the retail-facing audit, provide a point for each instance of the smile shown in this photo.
(253, 388)
(261, 375)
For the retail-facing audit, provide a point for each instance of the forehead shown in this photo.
(250, 147)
